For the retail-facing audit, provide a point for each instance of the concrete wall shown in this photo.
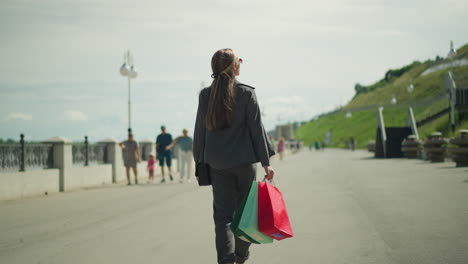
(93, 175)
(67, 177)
(30, 183)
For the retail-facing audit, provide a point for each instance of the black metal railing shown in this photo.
(39, 156)
(461, 97)
(97, 153)
(10, 157)
(85, 154)
(24, 156)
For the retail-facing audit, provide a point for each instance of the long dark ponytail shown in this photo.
(220, 111)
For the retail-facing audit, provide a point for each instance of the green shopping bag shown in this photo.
(235, 224)
(245, 222)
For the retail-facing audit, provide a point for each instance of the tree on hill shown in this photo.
(359, 88)
(389, 76)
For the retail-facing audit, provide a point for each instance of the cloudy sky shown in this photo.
(60, 58)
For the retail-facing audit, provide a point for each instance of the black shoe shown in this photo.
(170, 177)
(163, 180)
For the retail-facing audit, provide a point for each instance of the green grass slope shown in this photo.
(427, 99)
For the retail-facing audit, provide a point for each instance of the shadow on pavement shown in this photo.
(448, 167)
(160, 184)
(367, 158)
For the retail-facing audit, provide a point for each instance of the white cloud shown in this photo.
(74, 116)
(19, 116)
(285, 100)
(287, 109)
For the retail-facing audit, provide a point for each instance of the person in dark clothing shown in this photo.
(164, 152)
(229, 136)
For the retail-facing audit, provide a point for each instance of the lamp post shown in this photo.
(412, 120)
(351, 144)
(129, 70)
(393, 101)
(410, 88)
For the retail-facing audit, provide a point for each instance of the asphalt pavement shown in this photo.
(345, 208)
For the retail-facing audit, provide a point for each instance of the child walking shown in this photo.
(151, 162)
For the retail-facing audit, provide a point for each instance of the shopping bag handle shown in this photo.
(272, 182)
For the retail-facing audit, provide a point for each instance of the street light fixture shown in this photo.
(129, 70)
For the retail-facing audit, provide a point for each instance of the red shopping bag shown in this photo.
(273, 219)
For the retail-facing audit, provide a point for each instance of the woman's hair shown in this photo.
(220, 111)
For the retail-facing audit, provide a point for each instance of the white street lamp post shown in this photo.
(393, 101)
(410, 88)
(348, 116)
(129, 70)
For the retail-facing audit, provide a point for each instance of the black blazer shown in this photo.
(244, 142)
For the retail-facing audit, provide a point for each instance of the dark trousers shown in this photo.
(230, 186)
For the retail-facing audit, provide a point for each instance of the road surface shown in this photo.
(345, 207)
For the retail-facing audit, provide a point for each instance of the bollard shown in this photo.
(22, 154)
(436, 147)
(86, 154)
(459, 154)
(411, 147)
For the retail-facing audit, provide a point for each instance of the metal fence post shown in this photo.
(86, 161)
(22, 153)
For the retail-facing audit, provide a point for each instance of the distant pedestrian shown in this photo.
(150, 166)
(317, 145)
(272, 142)
(352, 143)
(162, 154)
(323, 145)
(229, 136)
(281, 148)
(186, 156)
(131, 156)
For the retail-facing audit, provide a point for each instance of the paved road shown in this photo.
(344, 207)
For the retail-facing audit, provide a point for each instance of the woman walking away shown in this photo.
(230, 138)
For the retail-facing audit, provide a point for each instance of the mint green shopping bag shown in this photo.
(245, 223)
(235, 224)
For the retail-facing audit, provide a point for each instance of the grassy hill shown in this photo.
(427, 99)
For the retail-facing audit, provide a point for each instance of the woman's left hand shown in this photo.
(269, 172)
